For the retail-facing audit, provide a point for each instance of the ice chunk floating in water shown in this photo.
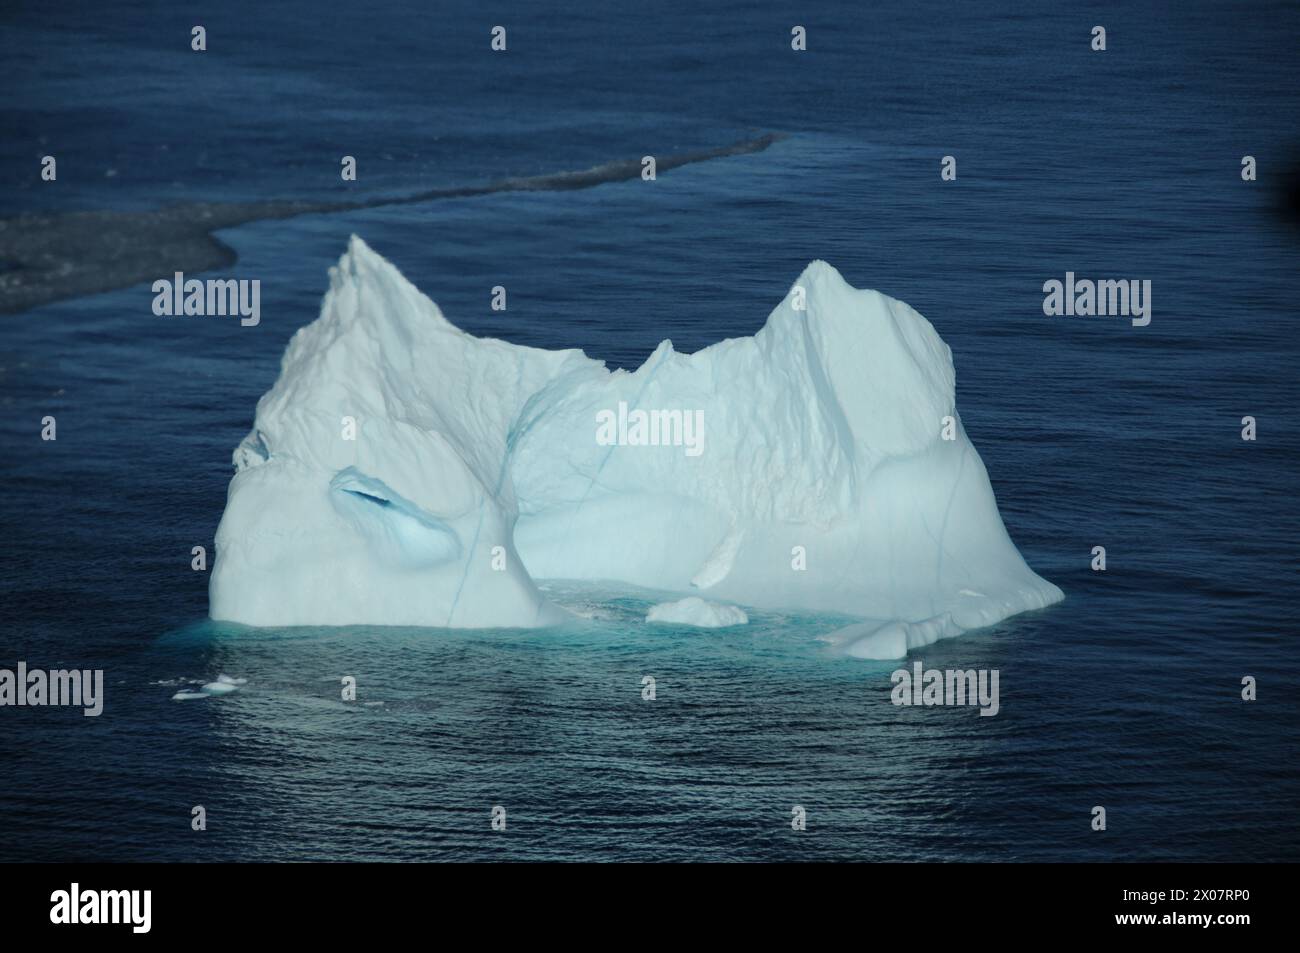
(823, 481)
(698, 612)
(224, 685)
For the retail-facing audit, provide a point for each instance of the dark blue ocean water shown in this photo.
(1122, 164)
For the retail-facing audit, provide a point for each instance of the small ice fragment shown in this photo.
(219, 688)
(698, 612)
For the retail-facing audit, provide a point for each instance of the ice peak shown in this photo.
(366, 288)
(819, 271)
(359, 256)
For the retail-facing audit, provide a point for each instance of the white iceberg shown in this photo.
(698, 612)
(224, 685)
(404, 472)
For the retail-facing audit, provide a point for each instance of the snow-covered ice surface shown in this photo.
(824, 482)
(697, 612)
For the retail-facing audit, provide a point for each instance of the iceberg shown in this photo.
(404, 472)
(224, 685)
(697, 612)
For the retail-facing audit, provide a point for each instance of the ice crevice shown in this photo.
(822, 435)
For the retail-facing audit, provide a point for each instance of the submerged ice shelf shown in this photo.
(404, 472)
